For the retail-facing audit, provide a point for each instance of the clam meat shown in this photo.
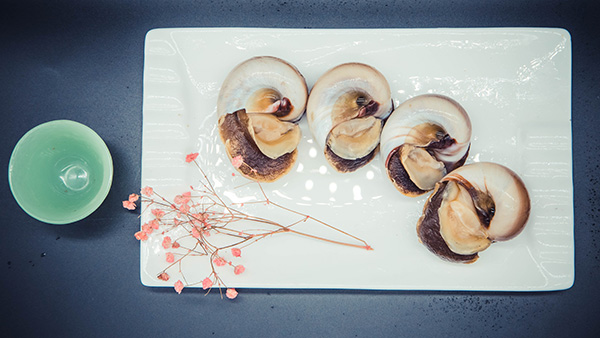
(471, 208)
(346, 109)
(425, 138)
(258, 106)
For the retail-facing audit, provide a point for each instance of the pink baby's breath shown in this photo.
(153, 224)
(178, 286)
(170, 257)
(166, 243)
(158, 213)
(237, 161)
(231, 293)
(175, 245)
(236, 252)
(141, 236)
(195, 232)
(128, 205)
(207, 283)
(183, 198)
(184, 208)
(239, 269)
(164, 276)
(147, 228)
(219, 261)
(147, 191)
(134, 197)
(190, 157)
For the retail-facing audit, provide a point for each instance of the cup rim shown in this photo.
(100, 196)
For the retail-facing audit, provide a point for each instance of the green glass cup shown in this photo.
(60, 172)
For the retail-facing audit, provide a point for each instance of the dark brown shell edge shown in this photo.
(428, 230)
(238, 142)
(346, 166)
(399, 177)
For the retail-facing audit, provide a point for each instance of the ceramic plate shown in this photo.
(515, 83)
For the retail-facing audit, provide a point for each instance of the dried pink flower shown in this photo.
(175, 245)
(237, 161)
(231, 293)
(170, 257)
(147, 191)
(219, 261)
(158, 213)
(207, 283)
(184, 208)
(153, 224)
(147, 228)
(178, 286)
(190, 157)
(163, 276)
(134, 197)
(128, 205)
(141, 236)
(239, 269)
(236, 252)
(166, 243)
(183, 198)
(195, 232)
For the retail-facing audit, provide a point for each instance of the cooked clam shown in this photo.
(471, 208)
(425, 138)
(258, 105)
(345, 111)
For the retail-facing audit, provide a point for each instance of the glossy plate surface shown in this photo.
(515, 83)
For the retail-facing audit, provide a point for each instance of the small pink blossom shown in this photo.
(147, 191)
(166, 243)
(195, 232)
(239, 269)
(134, 197)
(153, 224)
(207, 283)
(175, 245)
(219, 261)
(184, 208)
(158, 213)
(237, 161)
(128, 205)
(178, 286)
(236, 252)
(141, 236)
(147, 228)
(170, 257)
(163, 276)
(190, 157)
(231, 293)
(183, 198)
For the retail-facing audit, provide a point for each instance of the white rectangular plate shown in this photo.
(515, 83)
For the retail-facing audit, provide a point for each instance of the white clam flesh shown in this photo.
(424, 138)
(258, 106)
(345, 111)
(471, 208)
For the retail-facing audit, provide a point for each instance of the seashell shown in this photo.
(258, 106)
(471, 208)
(425, 138)
(346, 109)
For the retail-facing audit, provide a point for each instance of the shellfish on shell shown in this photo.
(471, 208)
(425, 138)
(258, 106)
(345, 110)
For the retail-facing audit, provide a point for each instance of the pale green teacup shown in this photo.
(60, 172)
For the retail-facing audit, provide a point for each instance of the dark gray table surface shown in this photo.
(83, 60)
